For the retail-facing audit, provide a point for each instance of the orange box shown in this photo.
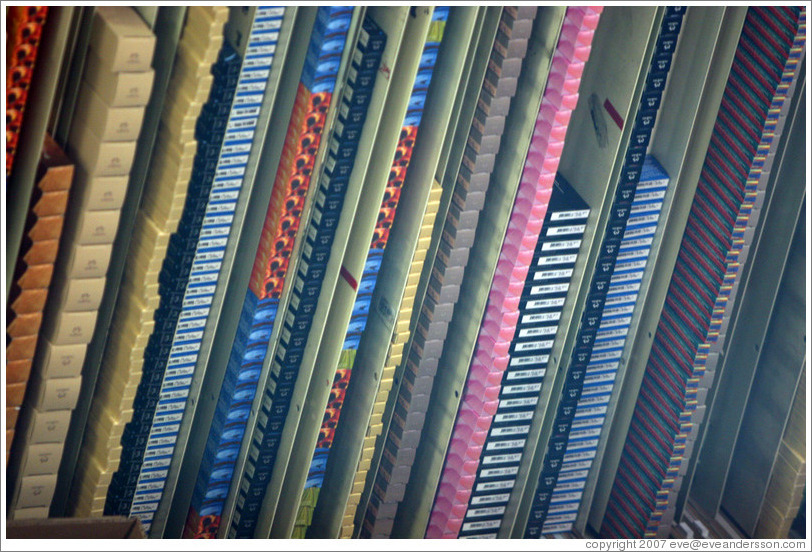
(12, 413)
(36, 276)
(46, 228)
(21, 348)
(24, 324)
(42, 252)
(29, 300)
(15, 393)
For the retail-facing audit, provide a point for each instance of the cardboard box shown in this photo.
(57, 394)
(89, 261)
(99, 193)
(112, 527)
(49, 426)
(97, 157)
(36, 491)
(70, 328)
(62, 361)
(129, 89)
(121, 39)
(111, 124)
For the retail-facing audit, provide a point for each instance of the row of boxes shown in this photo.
(121, 369)
(715, 245)
(102, 141)
(394, 357)
(32, 278)
(447, 269)
(594, 364)
(375, 255)
(314, 105)
(580, 418)
(499, 398)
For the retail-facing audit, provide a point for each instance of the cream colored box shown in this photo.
(42, 459)
(62, 361)
(36, 491)
(111, 124)
(123, 89)
(49, 426)
(70, 328)
(100, 193)
(83, 294)
(97, 227)
(121, 39)
(58, 394)
(97, 157)
(89, 261)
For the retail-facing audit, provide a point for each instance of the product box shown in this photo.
(118, 89)
(100, 158)
(111, 124)
(121, 39)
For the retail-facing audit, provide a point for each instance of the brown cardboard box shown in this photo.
(113, 527)
(24, 324)
(36, 276)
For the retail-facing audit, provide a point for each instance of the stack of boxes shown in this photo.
(165, 187)
(394, 358)
(107, 121)
(32, 279)
(426, 348)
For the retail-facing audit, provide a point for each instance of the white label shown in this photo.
(599, 390)
(516, 403)
(556, 259)
(533, 346)
(482, 512)
(504, 445)
(552, 274)
(513, 417)
(499, 472)
(564, 230)
(478, 525)
(495, 486)
(569, 215)
(584, 411)
(575, 475)
(538, 332)
(549, 288)
(526, 388)
(584, 434)
(534, 359)
(577, 456)
(501, 458)
(545, 303)
(633, 265)
(504, 431)
(565, 497)
(524, 374)
(561, 245)
(575, 466)
(490, 499)
(593, 401)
